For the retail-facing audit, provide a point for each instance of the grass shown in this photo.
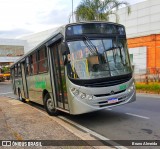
(148, 88)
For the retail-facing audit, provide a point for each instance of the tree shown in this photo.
(99, 9)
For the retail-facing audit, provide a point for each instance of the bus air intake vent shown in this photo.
(101, 95)
(107, 83)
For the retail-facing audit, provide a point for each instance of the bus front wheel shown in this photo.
(49, 105)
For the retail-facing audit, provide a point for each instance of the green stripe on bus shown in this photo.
(40, 85)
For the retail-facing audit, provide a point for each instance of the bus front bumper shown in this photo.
(80, 106)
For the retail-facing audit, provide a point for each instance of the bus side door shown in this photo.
(59, 76)
(24, 80)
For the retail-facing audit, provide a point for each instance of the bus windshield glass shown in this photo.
(98, 58)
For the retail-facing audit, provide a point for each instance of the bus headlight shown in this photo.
(131, 88)
(81, 95)
(75, 91)
(90, 97)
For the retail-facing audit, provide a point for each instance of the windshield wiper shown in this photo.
(115, 56)
(90, 45)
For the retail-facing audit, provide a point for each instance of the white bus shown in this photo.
(82, 67)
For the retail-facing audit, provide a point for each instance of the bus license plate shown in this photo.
(112, 100)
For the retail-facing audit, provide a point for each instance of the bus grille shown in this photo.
(107, 83)
(101, 95)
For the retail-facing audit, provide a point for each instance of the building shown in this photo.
(11, 50)
(143, 33)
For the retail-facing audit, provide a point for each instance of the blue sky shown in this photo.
(22, 17)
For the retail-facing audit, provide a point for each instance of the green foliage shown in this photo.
(99, 10)
(151, 87)
(5, 69)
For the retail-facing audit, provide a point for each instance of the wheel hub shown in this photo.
(50, 105)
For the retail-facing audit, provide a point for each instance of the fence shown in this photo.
(147, 75)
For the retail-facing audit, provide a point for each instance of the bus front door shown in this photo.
(59, 76)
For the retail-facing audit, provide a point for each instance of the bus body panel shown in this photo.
(36, 85)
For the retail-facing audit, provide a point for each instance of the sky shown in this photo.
(23, 17)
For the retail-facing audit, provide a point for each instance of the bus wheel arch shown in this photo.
(49, 104)
(45, 92)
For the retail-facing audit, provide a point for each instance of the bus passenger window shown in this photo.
(16, 73)
(27, 66)
(42, 60)
(33, 63)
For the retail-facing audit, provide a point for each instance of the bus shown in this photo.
(82, 67)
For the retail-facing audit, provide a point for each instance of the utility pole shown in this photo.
(72, 11)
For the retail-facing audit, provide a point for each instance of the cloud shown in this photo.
(20, 17)
(55, 18)
(14, 33)
(27, 16)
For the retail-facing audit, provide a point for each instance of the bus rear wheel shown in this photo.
(50, 106)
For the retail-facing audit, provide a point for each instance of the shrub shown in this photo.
(151, 87)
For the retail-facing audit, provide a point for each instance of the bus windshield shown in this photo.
(98, 58)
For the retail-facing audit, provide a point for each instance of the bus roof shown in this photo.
(60, 30)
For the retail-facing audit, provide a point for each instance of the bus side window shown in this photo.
(28, 66)
(35, 66)
(33, 63)
(42, 60)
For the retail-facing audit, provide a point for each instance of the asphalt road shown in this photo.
(135, 121)
(5, 87)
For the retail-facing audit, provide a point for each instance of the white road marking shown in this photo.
(83, 128)
(6, 93)
(118, 146)
(144, 117)
(114, 144)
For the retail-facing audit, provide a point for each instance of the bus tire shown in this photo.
(20, 96)
(49, 105)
